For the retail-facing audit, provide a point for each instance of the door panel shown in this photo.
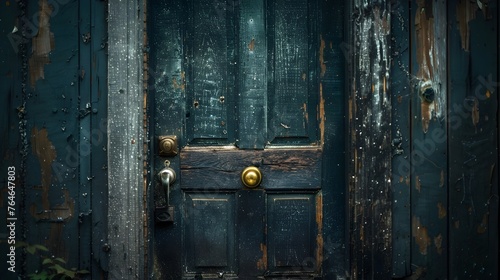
(239, 87)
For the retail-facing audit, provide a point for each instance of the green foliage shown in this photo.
(52, 268)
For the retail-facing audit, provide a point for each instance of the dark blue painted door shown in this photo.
(244, 83)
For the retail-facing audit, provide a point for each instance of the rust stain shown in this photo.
(418, 186)
(46, 154)
(400, 99)
(421, 235)
(438, 242)
(262, 263)
(475, 113)
(321, 116)
(42, 44)
(251, 45)
(319, 237)
(483, 226)
(322, 57)
(441, 210)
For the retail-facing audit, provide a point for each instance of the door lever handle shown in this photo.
(166, 177)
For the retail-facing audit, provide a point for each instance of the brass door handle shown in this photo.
(251, 177)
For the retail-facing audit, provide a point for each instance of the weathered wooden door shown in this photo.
(236, 84)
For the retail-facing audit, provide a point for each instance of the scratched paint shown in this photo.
(466, 12)
(42, 44)
(430, 29)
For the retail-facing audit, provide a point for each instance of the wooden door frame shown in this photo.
(127, 145)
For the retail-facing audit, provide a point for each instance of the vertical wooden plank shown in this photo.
(369, 133)
(401, 136)
(429, 186)
(53, 131)
(98, 138)
(168, 114)
(11, 122)
(84, 73)
(125, 138)
(473, 140)
(333, 92)
(252, 49)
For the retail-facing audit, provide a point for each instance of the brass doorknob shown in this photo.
(251, 177)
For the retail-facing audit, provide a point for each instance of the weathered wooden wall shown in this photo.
(54, 129)
(437, 174)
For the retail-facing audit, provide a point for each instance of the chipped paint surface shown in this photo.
(421, 235)
(483, 226)
(322, 56)
(441, 210)
(262, 262)
(321, 113)
(251, 45)
(430, 29)
(42, 44)
(46, 154)
(438, 242)
(418, 185)
(466, 12)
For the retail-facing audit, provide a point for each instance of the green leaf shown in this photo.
(60, 260)
(70, 274)
(31, 249)
(59, 269)
(41, 247)
(47, 261)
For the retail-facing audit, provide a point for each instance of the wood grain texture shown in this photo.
(290, 51)
(473, 140)
(252, 103)
(125, 138)
(210, 82)
(429, 187)
(370, 140)
(221, 169)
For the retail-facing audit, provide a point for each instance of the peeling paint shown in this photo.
(430, 29)
(466, 11)
(438, 242)
(251, 45)
(417, 183)
(483, 226)
(421, 235)
(262, 263)
(46, 154)
(319, 237)
(441, 210)
(321, 116)
(42, 44)
(321, 56)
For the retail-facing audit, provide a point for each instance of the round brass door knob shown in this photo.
(251, 177)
